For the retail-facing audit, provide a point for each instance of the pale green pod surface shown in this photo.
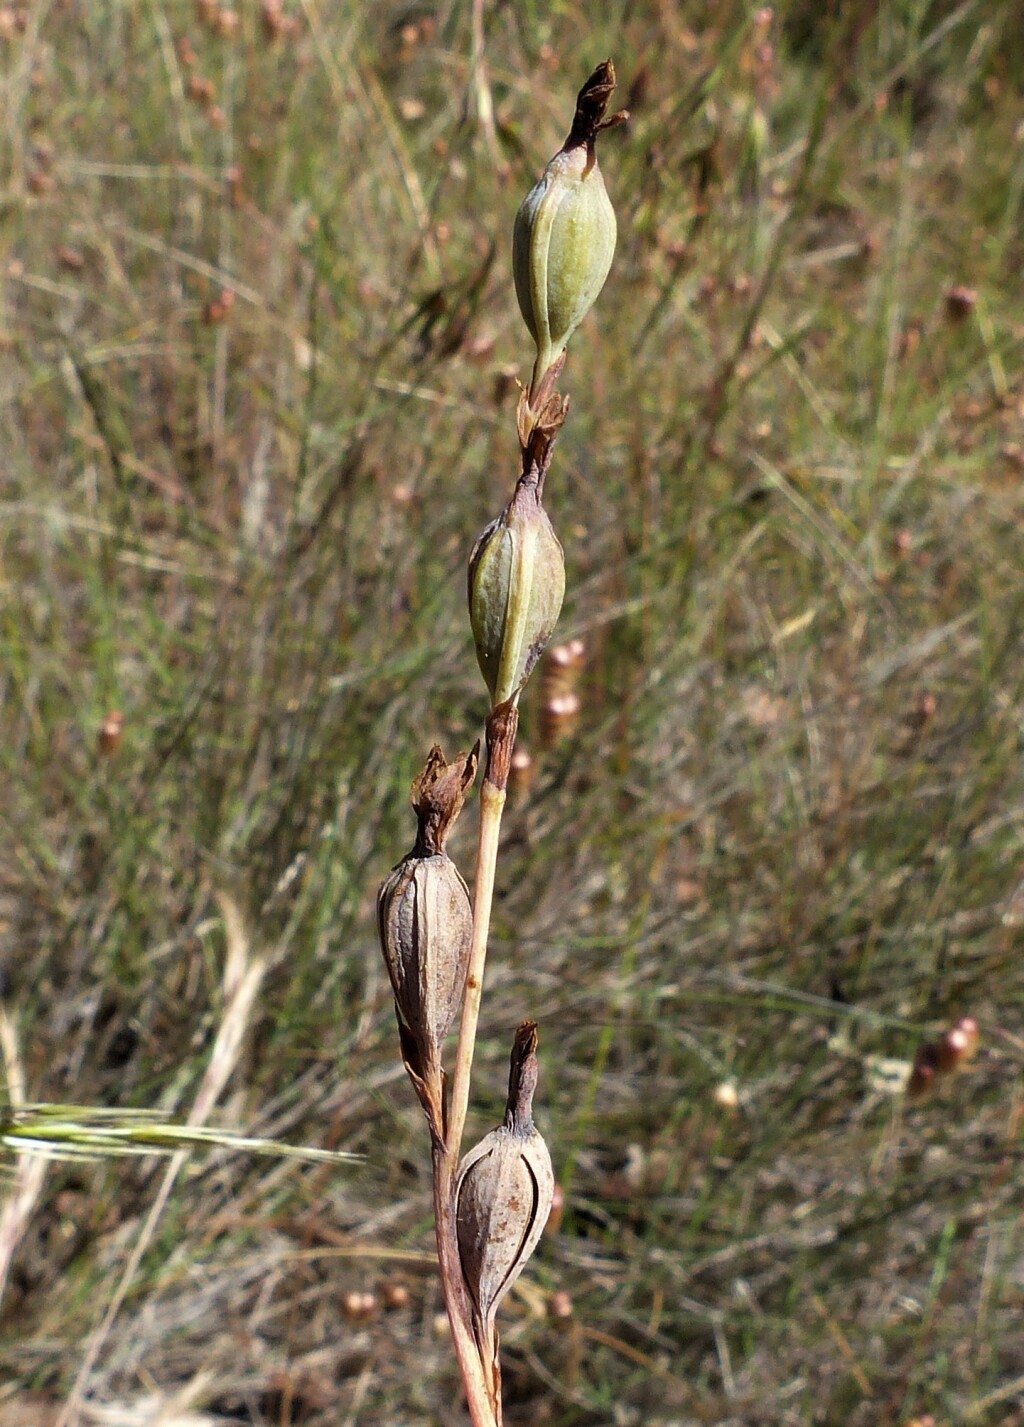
(490, 569)
(563, 243)
(516, 586)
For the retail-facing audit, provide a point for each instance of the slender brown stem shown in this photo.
(502, 726)
(492, 803)
(482, 1382)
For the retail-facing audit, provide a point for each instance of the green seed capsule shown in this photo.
(564, 235)
(516, 585)
(563, 243)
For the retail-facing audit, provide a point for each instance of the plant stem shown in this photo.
(492, 803)
(483, 1388)
(502, 725)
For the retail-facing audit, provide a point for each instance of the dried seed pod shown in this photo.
(564, 235)
(504, 1194)
(516, 585)
(425, 922)
(960, 302)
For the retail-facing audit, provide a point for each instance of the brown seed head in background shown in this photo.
(958, 1045)
(200, 89)
(960, 302)
(219, 309)
(563, 664)
(358, 1306)
(228, 24)
(110, 733)
(395, 1295)
(952, 1051)
(556, 1212)
(559, 718)
(522, 772)
(923, 1071)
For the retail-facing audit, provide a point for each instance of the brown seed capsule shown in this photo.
(357, 1305)
(227, 24)
(200, 89)
(425, 922)
(950, 1052)
(504, 1194)
(563, 663)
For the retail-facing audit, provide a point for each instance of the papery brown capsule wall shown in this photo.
(504, 1192)
(426, 921)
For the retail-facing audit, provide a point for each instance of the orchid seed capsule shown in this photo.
(504, 1193)
(425, 925)
(516, 585)
(425, 922)
(563, 240)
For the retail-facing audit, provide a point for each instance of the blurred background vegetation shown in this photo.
(258, 351)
